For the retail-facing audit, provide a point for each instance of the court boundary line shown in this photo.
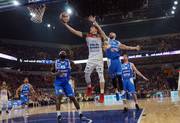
(48, 119)
(140, 117)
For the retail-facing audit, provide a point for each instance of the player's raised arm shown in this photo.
(93, 20)
(138, 72)
(125, 47)
(64, 17)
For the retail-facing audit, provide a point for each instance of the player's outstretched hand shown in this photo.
(92, 18)
(64, 17)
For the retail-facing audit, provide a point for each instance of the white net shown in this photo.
(37, 12)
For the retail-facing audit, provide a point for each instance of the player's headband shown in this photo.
(62, 53)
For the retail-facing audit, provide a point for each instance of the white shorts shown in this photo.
(4, 103)
(94, 64)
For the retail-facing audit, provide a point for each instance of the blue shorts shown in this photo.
(115, 68)
(24, 99)
(128, 85)
(63, 88)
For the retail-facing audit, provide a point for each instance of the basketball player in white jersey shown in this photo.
(4, 97)
(95, 59)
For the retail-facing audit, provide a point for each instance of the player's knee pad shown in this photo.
(88, 77)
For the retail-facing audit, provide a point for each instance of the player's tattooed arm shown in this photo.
(18, 91)
(125, 47)
(93, 20)
(138, 72)
(72, 65)
(32, 90)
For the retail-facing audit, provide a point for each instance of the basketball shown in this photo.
(64, 17)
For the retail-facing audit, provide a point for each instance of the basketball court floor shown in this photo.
(153, 111)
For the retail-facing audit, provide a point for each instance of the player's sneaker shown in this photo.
(82, 117)
(125, 109)
(137, 106)
(89, 91)
(0, 112)
(123, 95)
(101, 98)
(59, 118)
(117, 97)
(7, 111)
(123, 92)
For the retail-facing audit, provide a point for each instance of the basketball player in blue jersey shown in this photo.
(61, 70)
(128, 69)
(24, 91)
(95, 58)
(112, 48)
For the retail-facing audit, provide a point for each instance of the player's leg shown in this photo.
(59, 94)
(125, 88)
(115, 85)
(26, 104)
(6, 105)
(100, 71)
(119, 74)
(119, 79)
(58, 107)
(113, 74)
(88, 70)
(131, 89)
(1, 105)
(70, 93)
(135, 100)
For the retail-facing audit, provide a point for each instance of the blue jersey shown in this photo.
(127, 71)
(114, 51)
(64, 69)
(25, 90)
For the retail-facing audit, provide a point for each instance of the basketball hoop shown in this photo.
(36, 12)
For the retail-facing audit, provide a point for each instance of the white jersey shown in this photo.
(95, 47)
(4, 94)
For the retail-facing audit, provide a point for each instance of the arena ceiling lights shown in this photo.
(8, 57)
(173, 10)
